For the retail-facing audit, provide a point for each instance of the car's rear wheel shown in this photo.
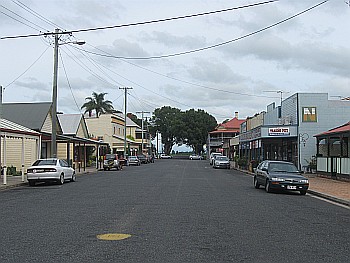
(303, 192)
(74, 177)
(267, 186)
(256, 184)
(61, 180)
(31, 182)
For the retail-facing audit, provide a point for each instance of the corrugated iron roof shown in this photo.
(31, 115)
(16, 128)
(341, 129)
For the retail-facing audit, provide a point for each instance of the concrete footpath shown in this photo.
(15, 181)
(334, 190)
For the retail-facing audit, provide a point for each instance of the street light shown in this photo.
(54, 91)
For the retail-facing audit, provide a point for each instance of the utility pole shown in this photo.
(54, 98)
(1, 134)
(54, 88)
(125, 104)
(142, 112)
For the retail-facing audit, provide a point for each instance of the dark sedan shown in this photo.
(142, 158)
(279, 175)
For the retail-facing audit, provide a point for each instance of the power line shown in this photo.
(146, 22)
(208, 47)
(19, 22)
(70, 87)
(34, 13)
(23, 18)
(27, 68)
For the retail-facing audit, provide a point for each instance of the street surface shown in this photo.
(174, 211)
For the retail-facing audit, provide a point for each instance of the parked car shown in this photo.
(111, 161)
(212, 155)
(165, 156)
(280, 175)
(52, 169)
(221, 162)
(143, 158)
(133, 160)
(195, 157)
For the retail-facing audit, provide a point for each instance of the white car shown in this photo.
(212, 157)
(221, 162)
(52, 169)
(195, 157)
(164, 156)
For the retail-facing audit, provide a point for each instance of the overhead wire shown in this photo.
(19, 22)
(208, 47)
(23, 18)
(34, 13)
(146, 22)
(70, 87)
(27, 68)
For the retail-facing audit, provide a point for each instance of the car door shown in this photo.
(66, 170)
(260, 173)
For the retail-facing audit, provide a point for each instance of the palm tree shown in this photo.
(97, 103)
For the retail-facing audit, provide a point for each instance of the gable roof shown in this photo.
(231, 124)
(31, 115)
(70, 123)
(341, 129)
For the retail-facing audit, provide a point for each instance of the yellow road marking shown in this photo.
(113, 236)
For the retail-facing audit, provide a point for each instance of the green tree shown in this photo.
(98, 104)
(190, 127)
(168, 122)
(197, 124)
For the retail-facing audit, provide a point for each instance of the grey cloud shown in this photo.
(170, 40)
(212, 70)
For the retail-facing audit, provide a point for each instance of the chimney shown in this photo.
(236, 114)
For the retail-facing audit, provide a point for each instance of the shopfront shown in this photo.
(270, 143)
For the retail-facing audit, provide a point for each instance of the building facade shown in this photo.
(287, 131)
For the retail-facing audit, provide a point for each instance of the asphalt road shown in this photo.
(174, 211)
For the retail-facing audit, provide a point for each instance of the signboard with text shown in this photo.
(279, 131)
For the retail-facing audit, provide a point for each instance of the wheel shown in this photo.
(74, 177)
(61, 181)
(268, 186)
(303, 192)
(256, 184)
(31, 182)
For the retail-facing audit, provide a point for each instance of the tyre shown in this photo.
(74, 177)
(268, 186)
(303, 192)
(31, 183)
(256, 184)
(61, 180)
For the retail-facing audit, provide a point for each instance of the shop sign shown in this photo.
(279, 131)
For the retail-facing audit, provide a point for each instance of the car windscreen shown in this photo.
(44, 162)
(282, 167)
(221, 158)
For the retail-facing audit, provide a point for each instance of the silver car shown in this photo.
(221, 162)
(52, 169)
(212, 157)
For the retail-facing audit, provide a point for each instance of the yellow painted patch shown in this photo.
(113, 236)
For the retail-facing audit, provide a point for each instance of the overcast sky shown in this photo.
(308, 53)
